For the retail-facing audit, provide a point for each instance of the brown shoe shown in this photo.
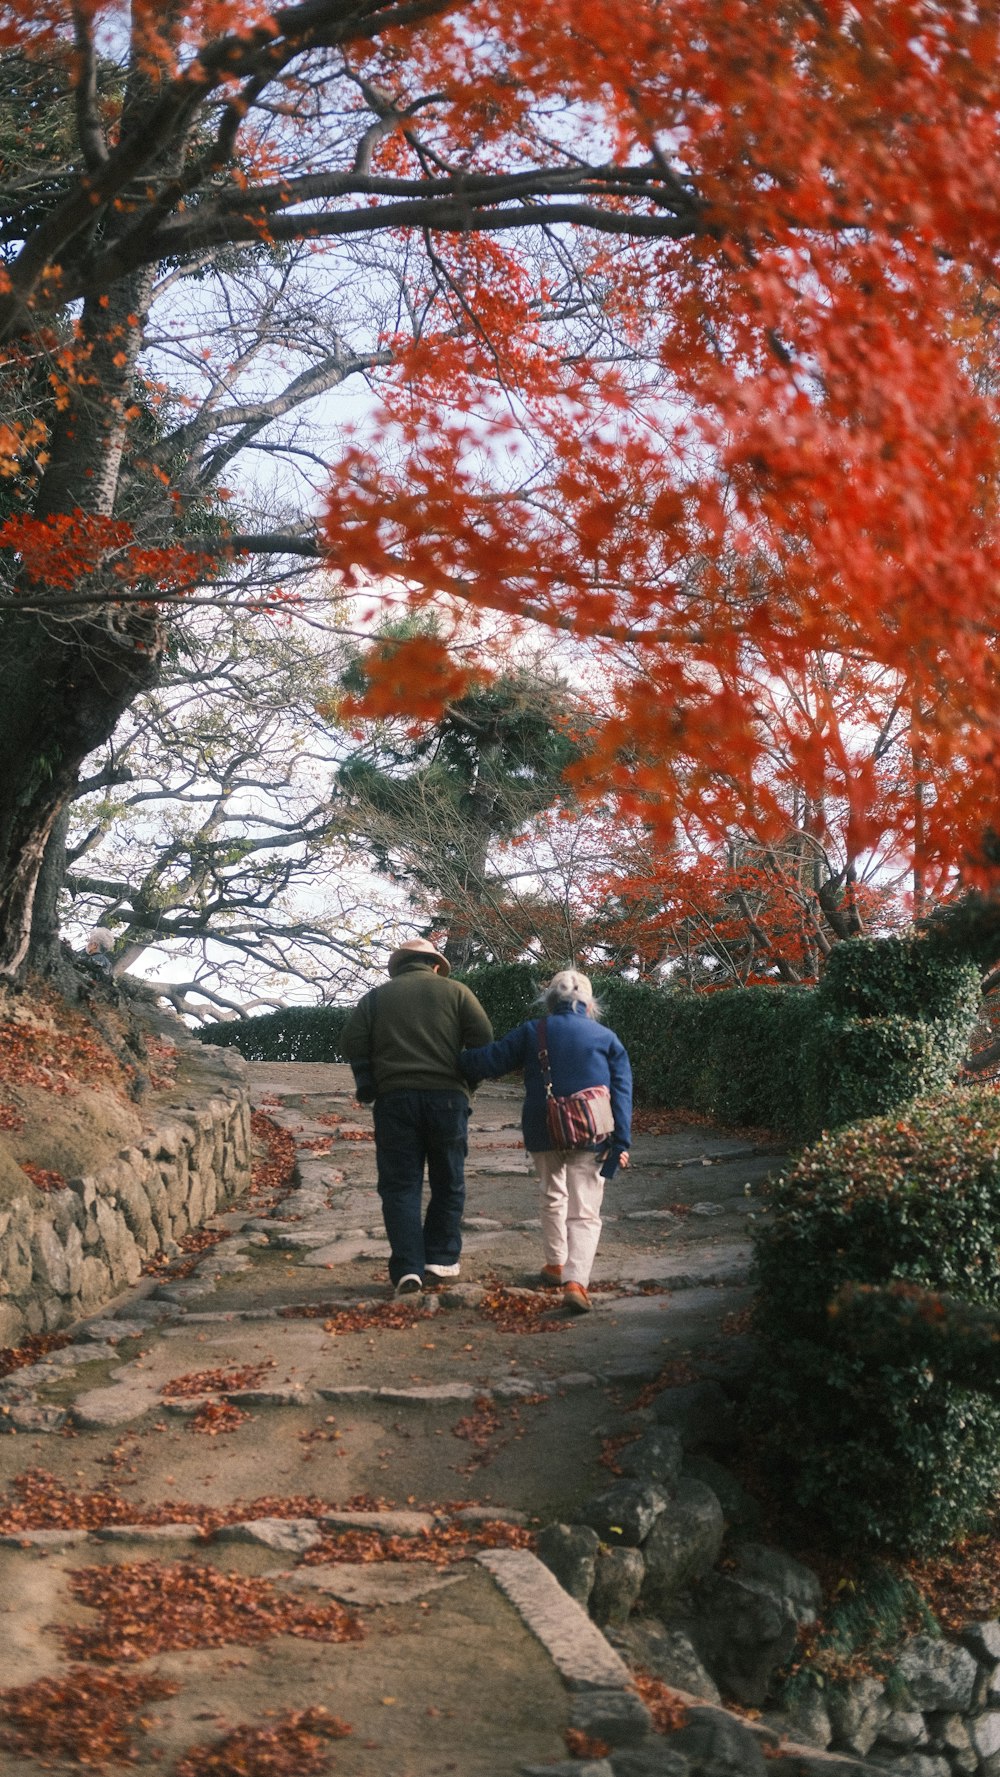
(576, 1299)
(551, 1276)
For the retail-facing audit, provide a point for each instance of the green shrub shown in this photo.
(866, 1067)
(889, 1455)
(507, 993)
(296, 1033)
(878, 977)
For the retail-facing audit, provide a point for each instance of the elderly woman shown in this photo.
(578, 1052)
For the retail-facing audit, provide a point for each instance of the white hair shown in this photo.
(569, 988)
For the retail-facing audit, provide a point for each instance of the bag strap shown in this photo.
(542, 1037)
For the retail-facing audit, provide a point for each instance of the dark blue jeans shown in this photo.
(414, 1129)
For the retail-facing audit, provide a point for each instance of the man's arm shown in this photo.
(356, 1044)
(474, 1025)
(494, 1060)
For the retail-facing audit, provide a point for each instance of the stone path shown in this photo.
(272, 1389)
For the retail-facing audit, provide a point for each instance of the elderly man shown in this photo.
(403, 1041)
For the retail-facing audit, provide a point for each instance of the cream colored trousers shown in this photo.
(572, 1192)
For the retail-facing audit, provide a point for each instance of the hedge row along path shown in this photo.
(247, 1517)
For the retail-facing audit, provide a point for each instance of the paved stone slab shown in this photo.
(290, 1536)
(292, 1394)
(150, 1534)
(344, 1252)
(349, 1391)
(578, 1650)
(490, 1515)
(387, 1523)
(433, 1393)
(43, 1539)
(512, 1388)
(376, 1582)
(108, 1332)
(101, 1407)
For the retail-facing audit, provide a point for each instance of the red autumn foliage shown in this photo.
(581, 1745)
(705, 377)
(292, 1744)
(389, 1316)
(149, 1607)
(56, 1050)
(43, 1178)
(15, 1357)
(219, 1381)
(91, 1718)
(664, 1705)
(214, 1417)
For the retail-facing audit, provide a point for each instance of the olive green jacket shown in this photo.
(406, 1035)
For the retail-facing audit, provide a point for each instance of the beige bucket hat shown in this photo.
(417, 947)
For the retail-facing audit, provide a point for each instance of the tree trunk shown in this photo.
(67, 674)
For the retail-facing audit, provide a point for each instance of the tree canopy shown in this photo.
(681, 321)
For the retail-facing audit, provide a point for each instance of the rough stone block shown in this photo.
(683, 1544)
(938, 1674)
(983, 1641)
(858, 1710)
(656, 1456)
(742, 1634)
(618, 1578)
(785, 1577)
(715, 1742)
(625, 1514)
(290, 1536)
(569, 1551)
(618, 1717)
(666, 1652)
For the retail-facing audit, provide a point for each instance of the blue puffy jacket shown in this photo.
(581, 1053)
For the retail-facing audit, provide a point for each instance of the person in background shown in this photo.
(403, 1041)
(582, 1052)
(100, 944)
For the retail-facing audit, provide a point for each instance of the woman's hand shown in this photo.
(623, 1160)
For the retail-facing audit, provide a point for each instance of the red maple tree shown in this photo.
(698, 366)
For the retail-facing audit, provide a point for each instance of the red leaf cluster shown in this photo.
(388, 1316)
(271, 1174)
(15, 1357)
(534, 1311)
(444, 1544)
(88, 1717)
(217, 1416)
(290, 1745)
(150, 1607)
(56, 1049)
(43, 1178)
(664, 1705)
(220, 1381)
(581, 1745)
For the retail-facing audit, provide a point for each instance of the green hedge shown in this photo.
(889, 1021)
(297, 1033)
(886, 1452)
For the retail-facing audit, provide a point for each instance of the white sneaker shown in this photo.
(443, 1270)
(410, 1285)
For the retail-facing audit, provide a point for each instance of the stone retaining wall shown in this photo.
(642, 1557)
(66, 1252)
